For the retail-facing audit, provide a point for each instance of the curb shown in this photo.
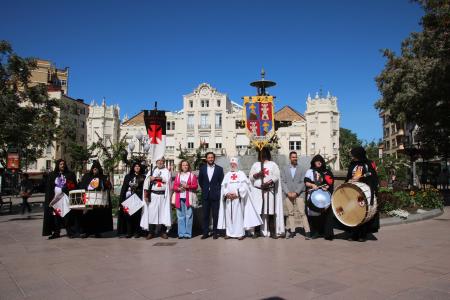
(412, 218)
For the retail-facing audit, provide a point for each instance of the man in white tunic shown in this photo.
(267, 195)
(156, 215)
(236, 212)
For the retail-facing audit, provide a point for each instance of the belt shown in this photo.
(265, 189)
(159, 192)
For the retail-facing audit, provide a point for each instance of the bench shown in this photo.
(3, 202)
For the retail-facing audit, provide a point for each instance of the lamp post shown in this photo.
(143, 144)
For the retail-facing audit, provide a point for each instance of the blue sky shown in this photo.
(136, 52)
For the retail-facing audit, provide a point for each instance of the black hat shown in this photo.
(318, 157)
(359, 153)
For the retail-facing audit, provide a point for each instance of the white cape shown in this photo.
(274, 175)
(243, 211)
(158, 210)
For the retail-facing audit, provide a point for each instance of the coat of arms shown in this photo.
(259, 119)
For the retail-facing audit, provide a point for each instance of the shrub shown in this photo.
(388, 200)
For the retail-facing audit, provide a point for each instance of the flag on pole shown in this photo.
(155, 124)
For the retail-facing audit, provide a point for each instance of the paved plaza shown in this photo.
(409, 261)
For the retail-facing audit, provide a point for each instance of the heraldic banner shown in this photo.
(259, 119)
(155, 124)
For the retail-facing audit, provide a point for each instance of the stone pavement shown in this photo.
(409, 261)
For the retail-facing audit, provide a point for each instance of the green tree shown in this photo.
(372, 150)
(80, 155)
(347, 141)
(415, 85)
(111, 155)
(27, 115)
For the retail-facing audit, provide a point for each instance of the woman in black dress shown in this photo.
(363, 170)
(318, 176)
(98, 219)
(132, 184)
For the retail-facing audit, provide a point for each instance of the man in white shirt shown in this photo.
(210, 179)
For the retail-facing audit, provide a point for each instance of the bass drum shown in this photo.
(351, 204)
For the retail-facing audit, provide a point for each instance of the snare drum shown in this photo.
(96, 198)
(319, 200)
(351, 204)
(77, 199)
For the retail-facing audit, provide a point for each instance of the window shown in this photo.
(207, 103)
(168, 126)
(63, 82)
(82, 138)
(294, 145)
(191, 103)
(48, 150)
(173, 125)
(218, 121)
(204, 121)
(312, 133)
(218, 103)
(313, 146)
(202, 103)
(219, 145)
(82, 124)
(190, 121)
(190, 145)
(48, 164)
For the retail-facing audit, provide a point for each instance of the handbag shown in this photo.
(173, 199)
(193, 199)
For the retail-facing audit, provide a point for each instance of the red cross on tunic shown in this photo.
(126, 210)
(155, 133)
(266, 171)
(159, 182)
(58, 212)
(234, 176)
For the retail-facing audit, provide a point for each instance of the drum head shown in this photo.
(320, 198)
(349, 204)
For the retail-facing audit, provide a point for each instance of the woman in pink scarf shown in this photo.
(184, 187)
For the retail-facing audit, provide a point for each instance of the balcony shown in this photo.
(216, 151)
(204, 127)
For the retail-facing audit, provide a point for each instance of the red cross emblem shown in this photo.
(58, 212)
(84, 198)
(266, 171)
(159, 182)
(126, 210)
(234, 176)
(155, 133)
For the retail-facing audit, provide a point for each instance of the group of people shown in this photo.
(82, 223)
(263, 204)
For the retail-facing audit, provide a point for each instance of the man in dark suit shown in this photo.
(210, 179)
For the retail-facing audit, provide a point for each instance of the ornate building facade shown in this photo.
(211, 120)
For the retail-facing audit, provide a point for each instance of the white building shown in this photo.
(322, 128)
(103, 122)
(209, 118)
